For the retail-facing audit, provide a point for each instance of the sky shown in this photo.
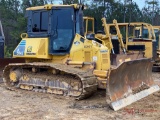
(140, 3)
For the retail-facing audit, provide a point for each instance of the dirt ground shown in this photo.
(26, 105)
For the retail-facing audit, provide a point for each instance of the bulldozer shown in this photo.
(135, 37)
(62, 59)
(149, 36)
(139, 37)
(156, 65)
(122, 48)
(157, 35)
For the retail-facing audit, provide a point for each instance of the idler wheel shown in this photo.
(15, 75)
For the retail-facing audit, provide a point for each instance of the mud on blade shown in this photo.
(129, 82)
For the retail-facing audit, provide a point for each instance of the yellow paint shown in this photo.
(75, 63)
(148, 45)
(128, 59)
(13, 76)
(100, 73)
(49, 6)
(136, 26)
(95, 52)
(87, 20)
(82, 50)
(35, 48)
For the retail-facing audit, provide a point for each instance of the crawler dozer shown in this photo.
(146, 32)
(156, 65)
(61, 59)
(122, 48)
(134, 37)
(139, 37)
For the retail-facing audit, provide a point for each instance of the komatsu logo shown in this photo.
(29, 49)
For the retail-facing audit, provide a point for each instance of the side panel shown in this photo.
(90, 51)
(32, 48)
(148, 47)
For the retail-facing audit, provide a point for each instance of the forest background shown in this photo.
(12, 14)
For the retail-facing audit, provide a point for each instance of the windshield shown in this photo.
(62, 30)
(145, 33)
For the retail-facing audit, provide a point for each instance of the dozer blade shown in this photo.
(129, 82)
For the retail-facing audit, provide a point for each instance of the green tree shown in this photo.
(13, 22)
(70, 1)
(151, 12)
(112, 9)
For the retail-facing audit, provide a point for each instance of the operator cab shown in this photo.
(59, 24)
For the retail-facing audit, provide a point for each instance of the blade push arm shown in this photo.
(106, 30)
(119, 36)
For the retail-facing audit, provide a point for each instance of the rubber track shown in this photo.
(85, 76)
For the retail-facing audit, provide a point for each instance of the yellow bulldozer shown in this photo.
(139, 37)
(135, 38)
(146, 35)
(61, 58)
(157, 35)
(123, 47)
(156, 65)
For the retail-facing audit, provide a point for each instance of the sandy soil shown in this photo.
(26, 105)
